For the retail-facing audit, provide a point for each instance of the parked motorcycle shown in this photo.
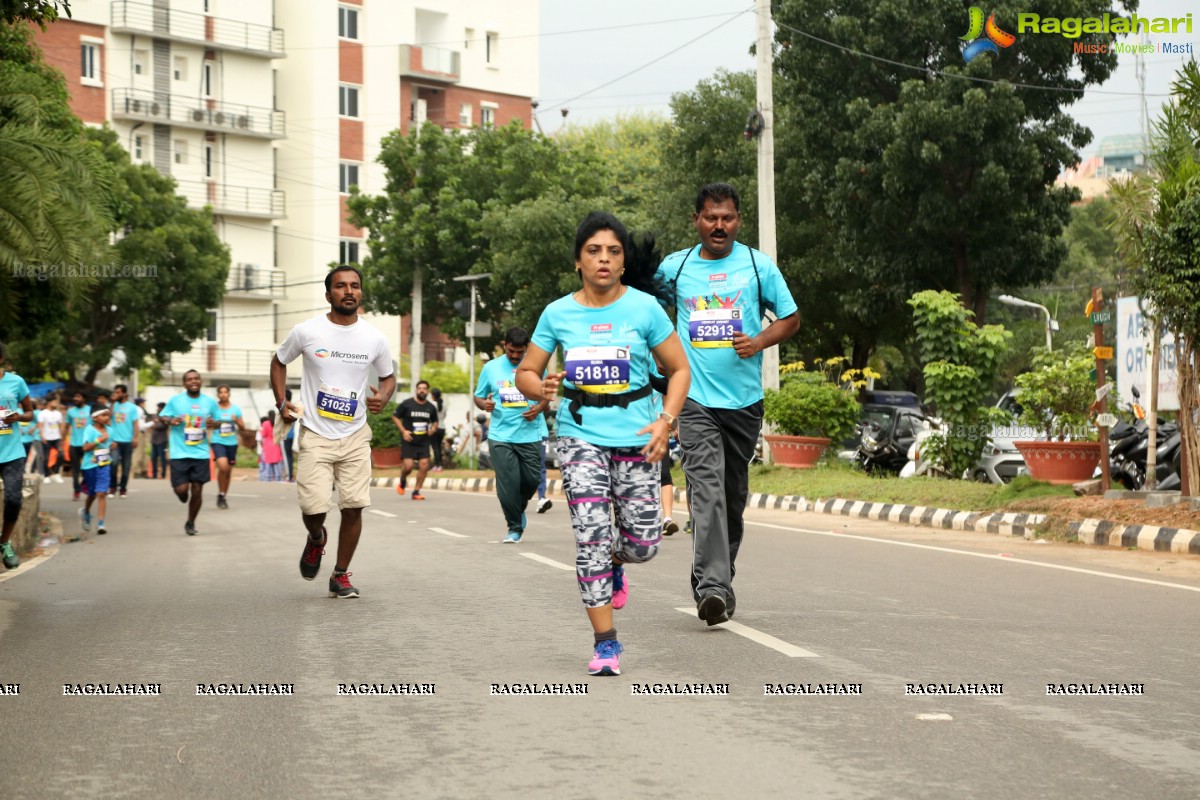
(886, 436)
(1131, 444)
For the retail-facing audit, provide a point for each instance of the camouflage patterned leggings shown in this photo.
(602, 483)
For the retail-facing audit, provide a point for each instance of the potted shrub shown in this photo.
(1055, 398)
(808, 411)
(385, 439)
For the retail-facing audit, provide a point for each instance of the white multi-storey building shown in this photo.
(207, 91)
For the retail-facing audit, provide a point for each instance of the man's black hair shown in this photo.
(122, 387)
(718, 193)
(343, 268)
(516, 336)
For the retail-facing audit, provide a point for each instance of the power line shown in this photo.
(942, 74)
(653, 61)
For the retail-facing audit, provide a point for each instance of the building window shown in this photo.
(141, 62)
(347, 177)
(487, 115)
(348, 101)
(180, 71)
(139, 147)
(208, 160)
(347, 252)
(212, 326)
(180, 151)
(468, 38)
(465, 115)
(207, 78)
(491, 44)
(347, 22)
(90, 67)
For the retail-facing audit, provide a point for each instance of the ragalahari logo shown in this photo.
(322, 353)
(979, 43)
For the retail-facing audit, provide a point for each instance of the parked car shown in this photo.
(1001, 461)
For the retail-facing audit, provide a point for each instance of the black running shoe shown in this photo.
(189, 528)
(310, 559)
(340, 586)
(221, 501)
(711, 609)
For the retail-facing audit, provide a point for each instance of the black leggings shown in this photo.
(13, 474)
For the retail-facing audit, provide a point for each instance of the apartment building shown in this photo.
(272, 133)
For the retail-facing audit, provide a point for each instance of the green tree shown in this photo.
(704, 144)
(629, 148)
(54, 188)
(442, 190)
(1170, 241)
(39, 11)
(960, 362)
(896, 179)
(168, 268)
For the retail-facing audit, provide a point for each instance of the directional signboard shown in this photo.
(1106, 420)
(1103, 352)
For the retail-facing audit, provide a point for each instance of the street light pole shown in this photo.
(471, 333)
(1016, 302)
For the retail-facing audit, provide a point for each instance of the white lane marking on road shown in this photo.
(548, 562)
(231, 494)
(765, 639)
(379, 513)
(935, 717)
(1002, 557)
(445, 532)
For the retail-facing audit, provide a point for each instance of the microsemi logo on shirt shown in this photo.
(605, 327)
(323, 353)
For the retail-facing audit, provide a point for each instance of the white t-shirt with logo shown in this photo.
(337, 359)
(51, 424)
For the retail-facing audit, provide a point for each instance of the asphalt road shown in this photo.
(821, 600)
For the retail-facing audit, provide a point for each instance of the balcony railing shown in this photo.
(255, 281)
(184, 26)
(213, 358)
(234, 201)
(198, 113)
(435, 63)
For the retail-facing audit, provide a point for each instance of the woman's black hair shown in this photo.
(597, 221)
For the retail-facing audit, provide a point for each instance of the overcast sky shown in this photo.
(581, 50)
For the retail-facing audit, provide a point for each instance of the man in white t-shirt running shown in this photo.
(334, 440)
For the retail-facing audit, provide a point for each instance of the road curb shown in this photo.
(1143, 537)
(1011, 524)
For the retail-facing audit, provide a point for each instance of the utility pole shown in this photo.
(763, 52)
(416, 347)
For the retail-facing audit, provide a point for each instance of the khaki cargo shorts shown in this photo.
(322, 464)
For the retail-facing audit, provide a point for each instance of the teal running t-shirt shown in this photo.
(498, 378)
(190, 439)
(714, 300)
(78, 419)
(605, 351)
(12, 391)
(226, 432)
(124, 415)
(101, 454)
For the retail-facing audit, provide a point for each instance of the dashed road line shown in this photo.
(445, 532)
(765, 639)
(379, 513)
(548, 561)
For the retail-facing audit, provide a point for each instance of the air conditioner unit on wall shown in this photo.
(198, 115)
(219, 118)
(155, 109)
(243, 121)
(133, 104)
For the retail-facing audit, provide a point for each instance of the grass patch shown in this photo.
(842, 480)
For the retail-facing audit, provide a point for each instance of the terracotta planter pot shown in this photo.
(1060, 462)
(799, 452)
(385, 457)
